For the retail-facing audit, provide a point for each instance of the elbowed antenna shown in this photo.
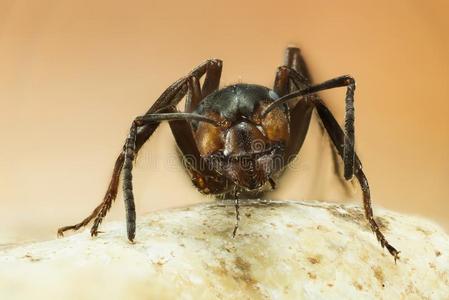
(330, 84)
(158, 117)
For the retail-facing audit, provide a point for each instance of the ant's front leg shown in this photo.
(337, 136)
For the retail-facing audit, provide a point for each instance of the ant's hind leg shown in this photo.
(293, 74)
(294, 60)
(211, 83)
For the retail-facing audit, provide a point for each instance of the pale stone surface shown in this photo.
(283, 250)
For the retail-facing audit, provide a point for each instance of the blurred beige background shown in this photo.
(73, 74)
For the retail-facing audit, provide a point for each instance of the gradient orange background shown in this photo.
(73, 75)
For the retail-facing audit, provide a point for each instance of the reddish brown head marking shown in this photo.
(209, 137)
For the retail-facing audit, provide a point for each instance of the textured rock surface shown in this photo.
(283, 250)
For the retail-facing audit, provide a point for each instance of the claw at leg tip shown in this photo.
(396, 256)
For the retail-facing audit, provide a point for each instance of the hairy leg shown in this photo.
(211, 83)
(295, 72)
(342, 81)
(171, 96)
(299, 78)
(337, 136)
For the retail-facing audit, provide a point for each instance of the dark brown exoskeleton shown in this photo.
(236, 141)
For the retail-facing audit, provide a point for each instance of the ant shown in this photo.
(237, 140)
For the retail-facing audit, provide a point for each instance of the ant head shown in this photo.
(247, 150)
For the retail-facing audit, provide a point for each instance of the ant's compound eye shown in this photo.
(275, 124)
(273, 95)
(208, 138)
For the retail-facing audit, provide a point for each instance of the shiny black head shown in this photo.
(247, 147)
